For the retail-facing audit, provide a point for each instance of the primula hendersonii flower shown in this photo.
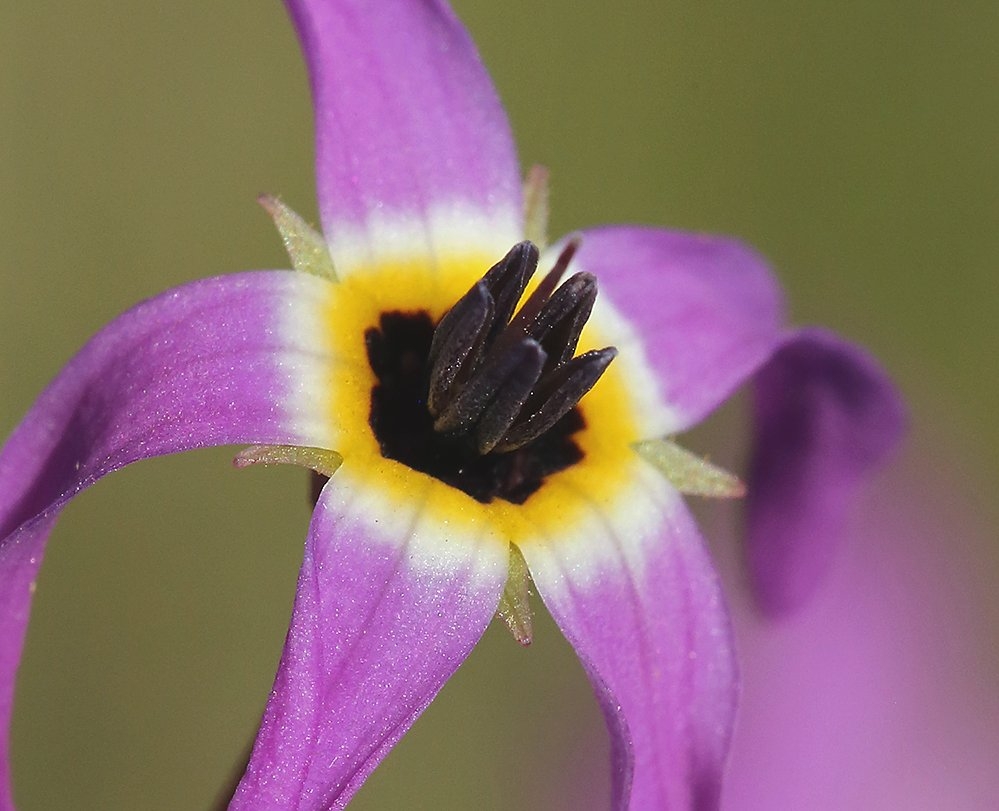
(419, 195)
(878, 694)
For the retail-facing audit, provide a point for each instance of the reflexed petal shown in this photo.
(826, 416)
(20, 556)
(706, 309)
(644, 611)
(212, 363)
(382, 618)
(414, 153)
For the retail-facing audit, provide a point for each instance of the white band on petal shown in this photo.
(445, 230)
(623, 529)
(305, 364)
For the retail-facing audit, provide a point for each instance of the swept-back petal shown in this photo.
(414, 155)
(20, 557)
(826, 416)
(705, 310)
(644, 611)
(385, 611)
(216, 362)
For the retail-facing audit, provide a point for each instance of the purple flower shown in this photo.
(879, 693)
(443, 503)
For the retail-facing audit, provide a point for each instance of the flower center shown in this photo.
(486, 399)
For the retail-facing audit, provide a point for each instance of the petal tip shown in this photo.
(827, 418)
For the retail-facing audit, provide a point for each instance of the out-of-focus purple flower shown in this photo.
(465, 460)
(879, 693)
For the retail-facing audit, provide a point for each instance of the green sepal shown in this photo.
(536, 206)
(320, 460)
(515, 605)
(306, 247)
(689, 473)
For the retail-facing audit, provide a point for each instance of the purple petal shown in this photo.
(882, 692)
(644, 611)
(20, 557)
(826, 416)
(413, 150)
(386, 609)
(207, 364)
(706, 309)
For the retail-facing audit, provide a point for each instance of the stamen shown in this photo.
(519, 366)
(557, 395)
(510, 398)
(459, 340)
(558, 326)
(548, 284)
(502, 379)
(508, 279)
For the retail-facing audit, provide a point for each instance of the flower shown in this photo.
(879, 692)
(419, 196)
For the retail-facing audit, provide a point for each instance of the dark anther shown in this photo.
(505, 379)
(486, 399)
(556, 395)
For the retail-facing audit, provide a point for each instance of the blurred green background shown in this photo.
(854, 144)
